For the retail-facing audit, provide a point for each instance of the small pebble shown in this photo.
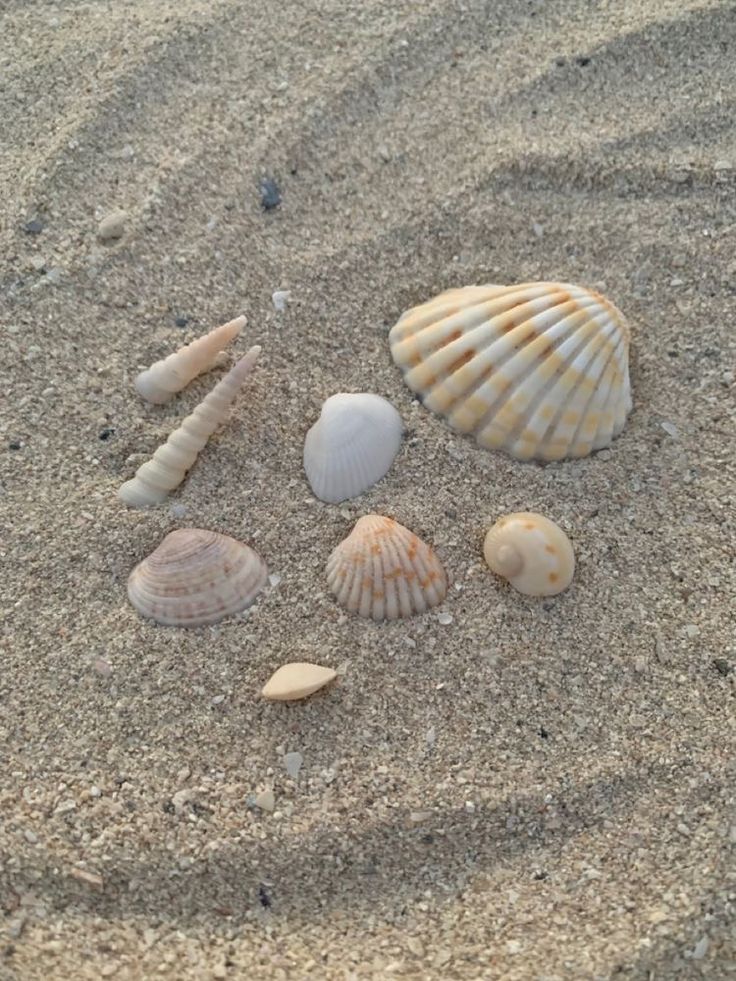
(33, 227)
(112, 225)
(14, 444)
(280, 299)
(671, 429)
(38, 263)
(692, 630)
(293, 763)
(700, 949)
(270, 194)
(722, 666)
(102, 667)
(538, 229)
(444, 618)
(274, 579)
(181, 321)
(106, 434)
(265, 800)
(178, 510)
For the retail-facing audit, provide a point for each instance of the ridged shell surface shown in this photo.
(196, 577)
(168, 466)
(351, 446)
(540, 370)
(384, 571)
(165, 378)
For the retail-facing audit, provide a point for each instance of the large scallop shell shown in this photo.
(384, 571)
(532, 552)
(351, 446)
(168, 466)
(196, 577)
(163, 379)
(539, 369)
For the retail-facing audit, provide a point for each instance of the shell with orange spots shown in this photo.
(384, 571)
(196, 577)
(540, 370)
(532, 552)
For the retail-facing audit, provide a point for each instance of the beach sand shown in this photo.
(537, 790)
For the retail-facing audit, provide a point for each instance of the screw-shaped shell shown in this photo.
(154, 480)
(351, 446)
(384, 571)
(532, 552)
(196, 577)
(165, 378)
(297, 680)
(539, 370)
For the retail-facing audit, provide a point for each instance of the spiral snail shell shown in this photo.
(532, 552)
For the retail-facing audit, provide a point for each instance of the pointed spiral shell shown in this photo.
(532, 552)
(154, 480)
(384, 571)
(165, 378)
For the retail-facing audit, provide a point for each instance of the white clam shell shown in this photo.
(196, 577)
(156, 478)
(539, 370)
(384, 571)
(165, 378)
(297, 680)
(351, 446)
(532, 552)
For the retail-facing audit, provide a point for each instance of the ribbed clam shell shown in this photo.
(163, 379)
(539, 370)
(156, 478)
(196, 577)
(351, 446)
(531, 552)
(384, 571)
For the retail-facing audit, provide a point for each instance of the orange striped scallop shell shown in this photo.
(384, 571)
(540, 370)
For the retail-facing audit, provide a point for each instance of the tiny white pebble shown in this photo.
(671, 429)
(280, 299)
(274, 579)
(444, 618)
(218, 699)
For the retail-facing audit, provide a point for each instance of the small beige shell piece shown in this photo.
(532, 552)
(384, 571)
(540, 370)
(297, 680)
(196, 577)
(154, 480)
(165, 378)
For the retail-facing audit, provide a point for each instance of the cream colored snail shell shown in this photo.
(532, 552)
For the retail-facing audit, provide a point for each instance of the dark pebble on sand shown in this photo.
(181, 321)
(722, 666)
(582, 61)
(33, 227)
(107, 433)
(270, 194)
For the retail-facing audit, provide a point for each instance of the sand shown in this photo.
(536, 790)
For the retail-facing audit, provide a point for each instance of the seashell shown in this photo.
(351, 446)
(165, 378)
(170, 463)
(539, 370)
(532, 552)
(196, 577)
(384, 571)
(297, 680)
